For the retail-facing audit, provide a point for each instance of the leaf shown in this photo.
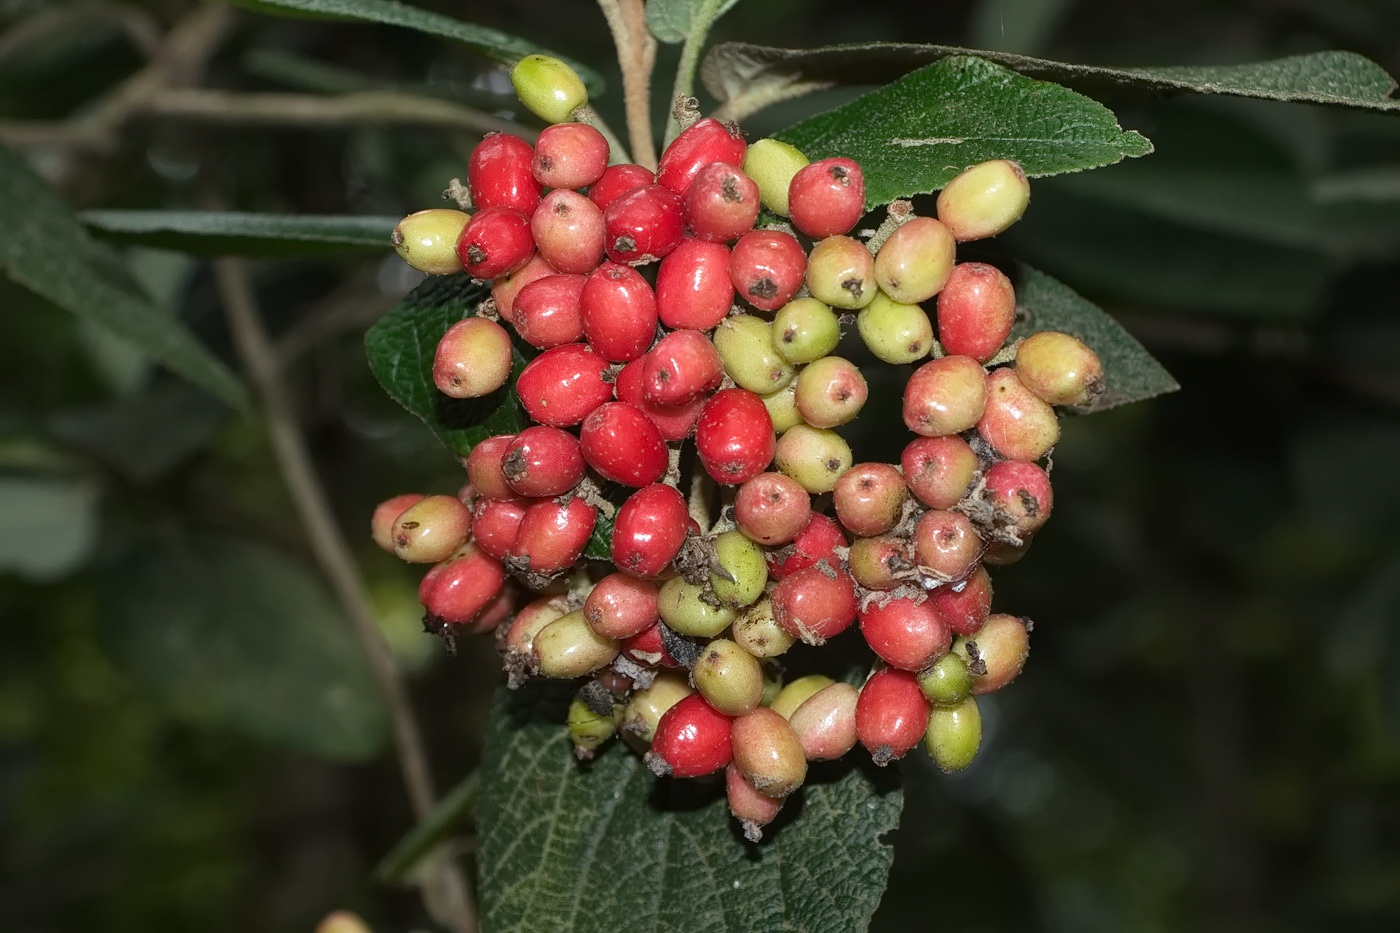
(911, 137)
(229, 233)
(575, 848)
(236, 635)
(48, 252)
(748, 77)
(48, 523)
(492, 43)
(671, 20)
(599, 545)
(401, 347)
(1129, 371)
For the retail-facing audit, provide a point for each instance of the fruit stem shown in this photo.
(898, 214)
(700, 22)
(636, 55)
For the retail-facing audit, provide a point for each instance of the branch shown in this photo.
(636, 55)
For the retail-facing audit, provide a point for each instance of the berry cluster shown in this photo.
(678, 346)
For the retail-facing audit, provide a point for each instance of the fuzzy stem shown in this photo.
(684, 87)
(636, 56)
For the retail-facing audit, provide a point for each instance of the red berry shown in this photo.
(643, 225)
(569, 155)
(547, 311)
(966, 604)
(1021, 492)
(552, 536)
(767, 268)
(562, 385)
(891, 714)
(691, 739)
(484, 467)
(721, 204)
(543, 461)
(649, 530)
(772, 508)
(499, 175)
(617, 180)
(454, 591)
(618, 311)
(495, 242)
(675, 422)
(827, 197)
(946, 545)
(621, 606)
(683, 365)
(504, 289)
(817, 542)
(945, 396)
(976, 309)
(647, 648)
(623, 445)
(906, 633)
(701, 143)
(496, 523)
(734, 436)
(568, 231)
(938, 470)
(869, 498)
(693, 291)
(815, 603)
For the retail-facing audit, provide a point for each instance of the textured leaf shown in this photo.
(236, 635)
(575, 848)
(599, 545)
(670, 20)
(751, 76)
(47, 251)
(911, 137)
(492, 43)
(1130, 373)
(401, 348)
(229, 233)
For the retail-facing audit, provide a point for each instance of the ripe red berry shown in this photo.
(693, 291)
(648, 650)
(946, 545)
(617, 180)
(495, 242)
(869, 498)
(547, 311)
(563, 384)
(772, 508)
(618, 311)
(817, 542)
(815, 603)
(945, 396)
(643, 225)
(569, 155)
(484, 467)
(976, 309)
(906, 633)
(767, 267)
(1016, 422)
(621, 606)
(701, 143)
(649, 530)
(623, 445)
(938, 470)
(1021, 492)
(675, 422)
(891, 714)
(454, 591)
(734, 436)
(683, 365)
(827, 197)
(552, 536)
(499, 174)
(543, 461)
(691, 739)
(721, 203)
(966, 604)
(568, 231)
(505, 288)
(496, 523)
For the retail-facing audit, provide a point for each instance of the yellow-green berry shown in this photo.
(548, 87)
(954, 734)
(772, 164)
(427, 240)
(984, 200)
(895, 332)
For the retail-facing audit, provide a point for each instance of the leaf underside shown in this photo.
(224, 233)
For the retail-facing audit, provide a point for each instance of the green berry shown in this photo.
(588, 730)
(947, 682)
(690, 610)
(954, 734)
(805, 330)
(646, 707)
(796, 693)
(746, 346)
(830, 391)
(782, 408)
(728, 677)
(427, 240)
(841, 273)
(568, 647)
(895, 332)
(1059, 368)
(738, 571)
(772, 164)
(915, 262)
(984, 200)
(815, 457)
(758, 633)
(548, 88)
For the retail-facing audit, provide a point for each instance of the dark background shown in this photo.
(1208, 734)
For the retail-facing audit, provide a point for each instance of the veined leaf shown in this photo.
(670, 20)
(231, 233)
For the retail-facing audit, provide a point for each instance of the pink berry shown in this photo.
(939, 470)
(815, 603)
(827, 197)
(703, 142)
(734, 436)
(495, 242)
(1016, 422)
(906, 633)
(547, 311)
(484, 467)
(945, 396)
(721, 204)
(772, 508)
(891, 714)
(623, 445)
(569, 155)
(618, 311)
(568, 231)
(675, 422)
(621, 606)
(976, 309)
(382, 523)
(869, 498)
(543, 461)
(767, 267)
(1021, 492)
(693, 291)
(643, 225)
(682, 366)
(965, 605)
(946, 545)
(505, 288)
(649, 530)
(499, 175)
(563, 384)
(691, 739)
(472, 359)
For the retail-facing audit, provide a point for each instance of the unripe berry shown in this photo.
(883, 562)
(827, 197)
(745, 344)
(431, 529)
(728, 677)
(896, 333)
(965, 605)
(563, 384)
(498, 174)
(767, 752)
(758, 633)
(427, 240)
(1016, 422)
(698, 145)
(767, 267)
(905, 633)
(617, 180)
(646, 707)
(682, 366)
(675, 422)
(381, 525)
(772, 165)
(976, 310)
(954, 735)
(782, 408)
(505, 288)
(830, 392)
(946, 545)
(772, 508)
(691, 739)
(569, 156)
(472, 359)
(548, 87)
(721, 203)
(841, 273)
(753, 810)
(984, 200)
(797, 692)
(914, 263)
(496, 524)
(738, 570)
(693, 291)
(459, 588)
(342, 921)
(517, 641)
(568, 231)
(825, 723)
(1002, 553)
(815, 457)
(734, 436)
(869, 498)
(1021, 493)
(543, 461)
(815, 603)
(947, 682)
(817, 542)
(996, 653)
(891, 714)
(805, 330)
(552, 536)
(588, 729)
(623, 445)
(649, 530)
(1059, 369)
(620, 606)
(938, 470)
(945, 396)
(567, 648)
(495, 242)
(484, 467)
(690, 610)
(643, 225)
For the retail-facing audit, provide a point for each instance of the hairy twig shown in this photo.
(636, 55)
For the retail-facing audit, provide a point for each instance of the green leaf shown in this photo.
(574, 848)
(599, 545)
(1130, 373)
(230, 233)
(48, 523)
(748, 77)
(401, 348)
(670, 20)
(492, 43)
(237, 635)
(47, 251)
(911, 137)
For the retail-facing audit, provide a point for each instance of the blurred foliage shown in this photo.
(1208, 737)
